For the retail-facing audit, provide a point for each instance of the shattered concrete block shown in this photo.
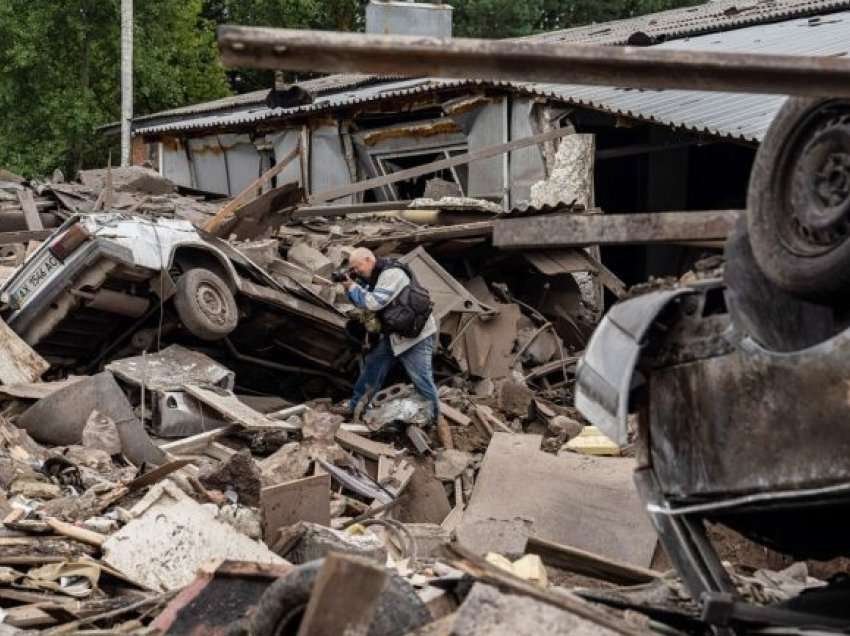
(437, 188)
(486, 610)
(515, 398)
(33, 489)
(239, 473)
(127, 179)
(571, 178)
(508, 537)
(310, 259)
(245, 520)
(450, 464)
(317, 541)
(320, 425)
(263, 252)
(100, 433)
(564, 427)
(429, 538)
(171, 536)
(291, 461)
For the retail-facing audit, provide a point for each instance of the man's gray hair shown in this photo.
(359, 254)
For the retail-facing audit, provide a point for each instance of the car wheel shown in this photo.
(799, 199)
(205, 304)
(280, 609)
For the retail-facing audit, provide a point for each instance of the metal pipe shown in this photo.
(534, 61)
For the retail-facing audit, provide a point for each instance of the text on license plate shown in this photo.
(34, 280)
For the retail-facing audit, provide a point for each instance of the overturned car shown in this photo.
(109, 284)
(735, 389)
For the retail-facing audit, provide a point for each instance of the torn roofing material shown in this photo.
(709, 17)
(737, 116)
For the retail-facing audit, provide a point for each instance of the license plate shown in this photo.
(33, 281)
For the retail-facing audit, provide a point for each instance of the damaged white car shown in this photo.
(109, 282)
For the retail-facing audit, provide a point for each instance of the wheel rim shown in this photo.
(815, 214)
(212, 303)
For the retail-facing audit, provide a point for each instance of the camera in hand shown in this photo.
(342, 275)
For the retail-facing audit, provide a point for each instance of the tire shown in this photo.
(799, 199)
(205, 305)
(282, 605)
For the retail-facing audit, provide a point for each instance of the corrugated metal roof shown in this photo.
(332, 101)
(256, 99)
(728, 115)
(731, 115)
(709, 17)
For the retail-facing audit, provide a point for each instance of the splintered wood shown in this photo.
(19, 363)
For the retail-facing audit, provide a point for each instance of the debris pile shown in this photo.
(154, 460)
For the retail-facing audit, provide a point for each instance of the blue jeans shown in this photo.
(417, 362)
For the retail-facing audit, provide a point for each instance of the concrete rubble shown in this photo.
(162, 465)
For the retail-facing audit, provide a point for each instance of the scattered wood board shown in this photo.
(365, 446)
(454, 415)
(37, 390)
(305, 499)
(19, 363)
(344, 596)
(584, 230)
(226, 403)
(33, 220)
(195, 443)
(589, 564)
(589, 503)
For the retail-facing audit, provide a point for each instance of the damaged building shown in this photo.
(175, 339)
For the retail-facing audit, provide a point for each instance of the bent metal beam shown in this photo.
(530, 61)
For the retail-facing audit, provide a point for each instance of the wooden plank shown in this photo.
(524, 60)
(364, 446)
(485, 572)
(31, 216)
(219, 451)
(195, 442)
(12, 238)
(227, 404)
(583, 230)
(435, 166)
(26, 616)
(76, 533)
(37, 390)
(454, 415)
(479, 229)
(19, 363)
(332, 211)
(249, 191)
(157, 474)
(589, 564)
(305, 499)
(344, 596)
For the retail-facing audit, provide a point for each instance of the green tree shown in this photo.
(60, 74)
(329, 15)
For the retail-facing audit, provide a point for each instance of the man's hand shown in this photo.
(347, 283)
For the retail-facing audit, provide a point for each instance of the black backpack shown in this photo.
(408, 312)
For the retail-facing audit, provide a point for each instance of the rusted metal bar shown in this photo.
(532, 61)
(582, 230)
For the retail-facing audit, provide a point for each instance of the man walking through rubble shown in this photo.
(408, 328)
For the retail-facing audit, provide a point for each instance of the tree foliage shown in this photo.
(60, 76)
(60, 61)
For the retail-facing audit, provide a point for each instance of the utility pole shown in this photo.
(126, 79)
